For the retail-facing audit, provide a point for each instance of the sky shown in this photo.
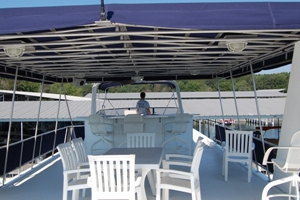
(41, 3)
(286, 68)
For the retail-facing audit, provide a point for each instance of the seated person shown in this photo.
(143, 106)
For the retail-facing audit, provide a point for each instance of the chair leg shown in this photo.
(223, 165)
(249, 171)
(65, 190)
(198, 194)
(75, 194)
(65, 194)
(297, 187)
(165, 194)
(226, 169)
(294, 184)
(290, 189)
(277, 182)
(194, 196)
(157, 193)
(83, 192)
(139, 194)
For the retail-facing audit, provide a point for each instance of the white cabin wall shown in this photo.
(291, 118)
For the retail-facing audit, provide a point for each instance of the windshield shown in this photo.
(110, 102)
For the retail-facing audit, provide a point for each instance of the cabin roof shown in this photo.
(162, 41)
(273, 93)
(203, 105)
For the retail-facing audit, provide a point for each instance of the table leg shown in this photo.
(143, 178)
(151, 179)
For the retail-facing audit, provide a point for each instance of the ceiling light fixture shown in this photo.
(137, 78)
(14, 51)
(195, 72)
(236, 46)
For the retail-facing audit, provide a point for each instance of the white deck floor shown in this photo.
(47, 184)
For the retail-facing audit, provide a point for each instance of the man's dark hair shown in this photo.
(142, 95)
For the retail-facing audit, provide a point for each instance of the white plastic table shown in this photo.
(146, 159)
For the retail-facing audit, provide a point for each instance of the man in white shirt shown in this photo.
(143, 106)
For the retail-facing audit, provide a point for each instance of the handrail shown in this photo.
(20, 152)
(158, 110)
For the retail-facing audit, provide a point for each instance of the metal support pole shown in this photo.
(208, 127)
(57, 116)
(22, 144)
(37, 122)
(200, 123)
(236, 108)
(219, 91)
(72, 126)
(9, 128)
(258, 114)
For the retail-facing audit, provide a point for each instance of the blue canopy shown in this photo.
(209, 16)
(161, 41)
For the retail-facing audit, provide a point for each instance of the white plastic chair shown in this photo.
(289, 165)
(99, 128)
(113, 177)
(189, 182)
(80, 151)
(140, 140)
(238, 148)
(134, 124)
(180, 126)
(74, 178)
(181, 159)
(81, 155)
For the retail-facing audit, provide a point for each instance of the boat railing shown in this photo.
(220, 133)
(28, 152)
(154, 110)
(259, 151)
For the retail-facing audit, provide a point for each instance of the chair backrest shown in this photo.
(198, 144)
(238, 143)
(140, 140)
(197, 159)
(68, 156)
(97, 124)
(181, 123)
(80, 151)
(133, 123)
(293, 156)
(112, 176)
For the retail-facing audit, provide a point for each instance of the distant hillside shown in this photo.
(263, 81)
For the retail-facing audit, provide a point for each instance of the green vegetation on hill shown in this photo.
(264, 81)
